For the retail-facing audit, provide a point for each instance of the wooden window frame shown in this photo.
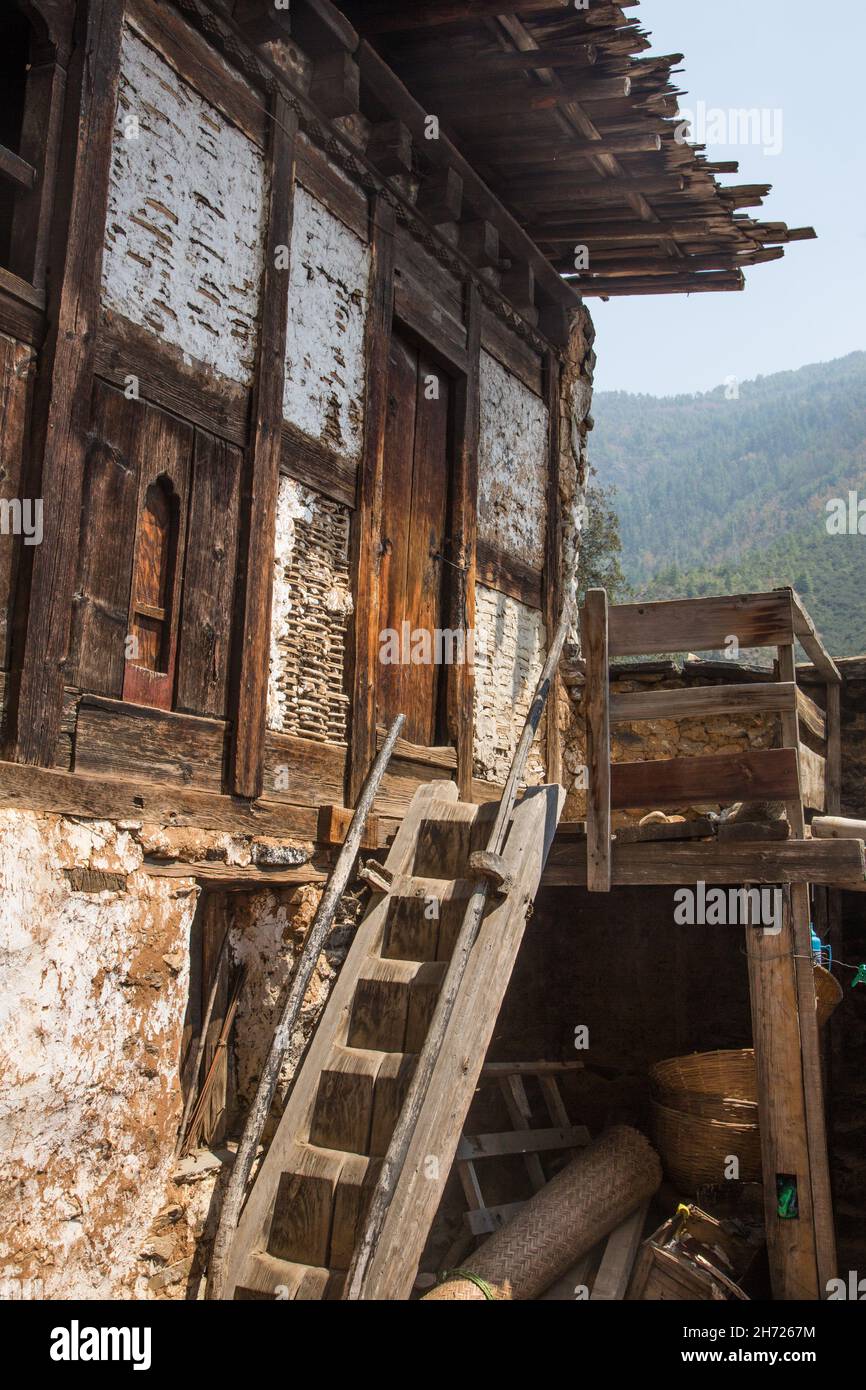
(141, 684)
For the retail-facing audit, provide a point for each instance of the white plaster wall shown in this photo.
(94, 994)
(509, 655)
(312, 602)
(187, 206)
(328, 299)
(512, 465)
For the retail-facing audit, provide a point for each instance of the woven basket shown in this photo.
(695, 1150)
(828, 993)
(727, 1076)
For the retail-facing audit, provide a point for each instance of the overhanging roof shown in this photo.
(577, 135)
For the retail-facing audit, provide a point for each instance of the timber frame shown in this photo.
(287, 126)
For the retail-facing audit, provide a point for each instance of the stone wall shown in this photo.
(661, 738)
(95, 979)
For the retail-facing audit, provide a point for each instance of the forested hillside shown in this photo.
(728, 491)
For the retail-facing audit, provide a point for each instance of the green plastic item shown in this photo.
(860, 977)
(787, 1204)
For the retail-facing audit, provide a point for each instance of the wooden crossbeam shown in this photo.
(702, 624)
(16, 170)
(717, 862)
(763, 775)
(703, 701)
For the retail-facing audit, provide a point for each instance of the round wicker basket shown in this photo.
(727, 1075)
(696, 1151)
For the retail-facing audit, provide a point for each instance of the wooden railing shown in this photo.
(797, 773)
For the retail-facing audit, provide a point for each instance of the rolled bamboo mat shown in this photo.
(564, 1220)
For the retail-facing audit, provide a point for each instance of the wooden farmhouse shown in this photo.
(295, 397)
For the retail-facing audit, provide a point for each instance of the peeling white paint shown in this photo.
(512, 465)
(509, 655)
(312, 602)
(91, 1016)
(185, 228)
(328, 299)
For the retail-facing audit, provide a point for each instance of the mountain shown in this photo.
(727, 491)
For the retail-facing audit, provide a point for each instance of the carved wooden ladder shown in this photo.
(298, 1231)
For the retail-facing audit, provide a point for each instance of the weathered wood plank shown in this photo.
(599, 795)
(705, 624)
(810, 715)
(210, 573)
(763, 775)
(312, 463)
(460, 698)
(367, 522)
(106, 798)
(716, 862)
(508, 575)
(248, 748)
(62, 400)
(702, 702)
(813, 775)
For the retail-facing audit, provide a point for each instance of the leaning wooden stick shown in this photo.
(322, 923)
(398, 1148)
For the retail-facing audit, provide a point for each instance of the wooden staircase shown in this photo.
(303, 1217)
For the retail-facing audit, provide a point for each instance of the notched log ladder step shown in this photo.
(297, 1235)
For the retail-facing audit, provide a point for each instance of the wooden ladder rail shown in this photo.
(258, 1114)
(398, 1147)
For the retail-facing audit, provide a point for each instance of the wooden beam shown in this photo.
(61, 408)
(336, 85)
(552, 590)
(700, 624)
(367, 522)
(599, 772)
(702, 702)
(389, 90)
(440, 197)
(762, 775)
(838, 828)
(464, 525)
(111, 798)
(833, 790)
(248, 748)
(260, 22)
(810, 1041)
(16, 170)
(810, 715)
(717, 862)
(811, 642)
(782, 1109)
(813, 776)
(383, 17)
(390, 147)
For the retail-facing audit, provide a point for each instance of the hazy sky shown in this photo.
(806, 60)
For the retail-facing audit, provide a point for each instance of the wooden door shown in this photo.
(414, 536)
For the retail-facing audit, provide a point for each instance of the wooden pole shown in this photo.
(261, 1105)
(595, 653)
(398, 1148)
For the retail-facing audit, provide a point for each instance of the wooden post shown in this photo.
(595, 653)
(367, 522)
(553, 557)
(782, 1106)
(810, 1043)
(248, 745)
(461, 677)
(63, 389)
